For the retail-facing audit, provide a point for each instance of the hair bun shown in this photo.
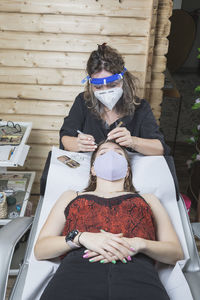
(101, 48)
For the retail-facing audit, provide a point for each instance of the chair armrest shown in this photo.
(43, 179)
(196, 229)
(10, 234)
(17, 290)
(193, 264)
(193, 279)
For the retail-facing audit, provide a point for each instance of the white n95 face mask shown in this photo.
(109, 97)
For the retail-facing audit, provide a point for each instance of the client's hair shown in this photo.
(128, 185)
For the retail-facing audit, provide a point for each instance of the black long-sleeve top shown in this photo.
(141, 124)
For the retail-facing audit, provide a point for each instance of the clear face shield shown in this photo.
(110, 85)
(107, 90)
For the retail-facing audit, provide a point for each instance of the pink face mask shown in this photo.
(111, 166)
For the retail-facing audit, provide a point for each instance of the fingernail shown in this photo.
(129, 258)
(86, 251)
(91, 260)
(114, 262)
(102, 261)
(85, 256)
(124, 260)
(102, 230)
(132, 249)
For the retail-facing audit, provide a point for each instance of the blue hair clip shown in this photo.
(104, 80)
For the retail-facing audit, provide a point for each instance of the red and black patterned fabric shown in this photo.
(129, 214)
(135, 280)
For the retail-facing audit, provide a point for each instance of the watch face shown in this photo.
(71, 235)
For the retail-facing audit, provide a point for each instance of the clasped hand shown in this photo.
(107, 246)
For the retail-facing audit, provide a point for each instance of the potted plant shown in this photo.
(194, 163)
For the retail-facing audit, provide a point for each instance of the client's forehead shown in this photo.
(109, 146)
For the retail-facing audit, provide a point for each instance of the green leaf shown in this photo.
(196, 106)
(191, 140)
(197, 89)
(195, 131)
(194, 156)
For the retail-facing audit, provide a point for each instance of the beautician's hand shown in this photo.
(86, 142)
(122, 136)
(107, 245)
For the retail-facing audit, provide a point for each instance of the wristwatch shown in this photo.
(70, 239)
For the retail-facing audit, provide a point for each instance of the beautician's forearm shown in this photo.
(166, 252)
(147, 146)
(70, 143)
(51, 247)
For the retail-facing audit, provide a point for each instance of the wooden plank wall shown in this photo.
(44, 46)
(157, 56)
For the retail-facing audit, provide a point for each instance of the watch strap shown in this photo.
(72, 245)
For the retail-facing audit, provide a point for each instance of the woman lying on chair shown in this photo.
(109, 236)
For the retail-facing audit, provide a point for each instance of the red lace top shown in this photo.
(128, 213)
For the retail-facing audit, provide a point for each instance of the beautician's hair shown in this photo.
(128, 185)
(109, 59)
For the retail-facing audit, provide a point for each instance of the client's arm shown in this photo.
(49, 243)
(167, 248)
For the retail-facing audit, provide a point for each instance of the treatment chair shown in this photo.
(151, 175)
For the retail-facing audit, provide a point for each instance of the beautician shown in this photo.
(110, 109)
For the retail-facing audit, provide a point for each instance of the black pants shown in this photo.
(78, 279)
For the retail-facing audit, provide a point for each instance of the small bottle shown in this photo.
(1, 197)
(15, 212)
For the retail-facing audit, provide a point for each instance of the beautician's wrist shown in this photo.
(134, 142)
(77, 144)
